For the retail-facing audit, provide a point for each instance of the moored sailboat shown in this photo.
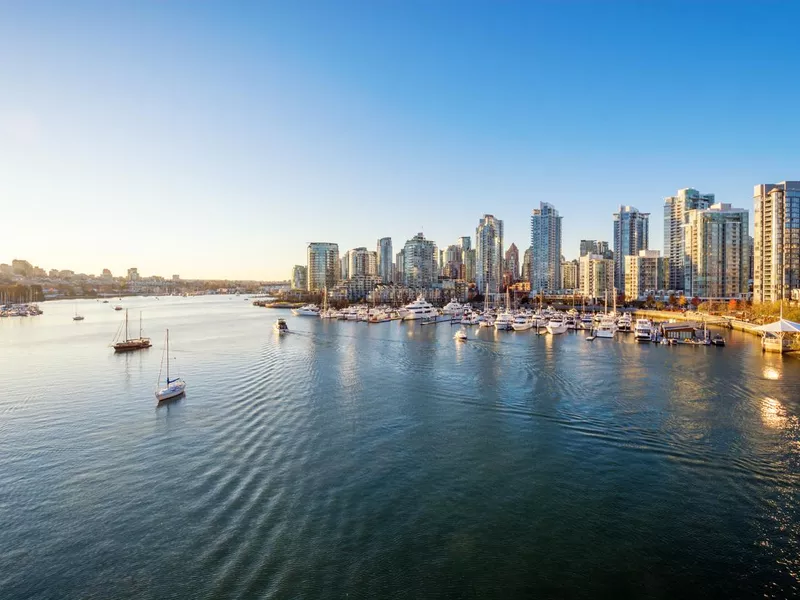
(173, 387)
(130, 344)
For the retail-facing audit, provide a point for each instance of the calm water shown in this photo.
(386, 461)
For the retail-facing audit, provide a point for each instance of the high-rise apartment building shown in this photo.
(631, 231)
(385, 258)
(322, 267)
(361, 262)
(776, 243)
(588, 247)
(570, 273)
(646, 273)
(418, 262)
(344, 266)
(511, 267)
(489, 254)
(299, 280)
(526, 265)
(596, 276)
(545, 248)
(465, 242)
(675, 209)
(453, 262)
(470, 262)
(716, 252)
(399, 266)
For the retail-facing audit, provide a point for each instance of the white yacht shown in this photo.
(607, 328)
(309, 310)
(453, 308)
(460, 336)
(556, 325)
(486, 321)
(522, 323)
(419, 309)
(331, 313)
(624, 322)
(470, 318)
(643, 330)
(504, 321)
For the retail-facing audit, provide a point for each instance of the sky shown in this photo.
(215, 139)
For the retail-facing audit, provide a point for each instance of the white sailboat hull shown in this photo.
(173, 390)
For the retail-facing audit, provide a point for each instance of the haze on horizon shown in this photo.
(216, 139)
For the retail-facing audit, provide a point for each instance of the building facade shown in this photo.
(596, 276)
(675, 209)
(511, 268)
(631, 233)
(418, 262)
(385, 260)
(545, 249)
(299, 280)
(776, 241)
(322, 267)
(489, 254)
(645, 274)
(361, 262)
(570, 275)
(716, 252)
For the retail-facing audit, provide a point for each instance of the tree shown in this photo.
(732, 305)
(650, 300)
(682, 301)
(671, 301)
(695, 301)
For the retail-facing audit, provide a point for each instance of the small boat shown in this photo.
(717, 340)
(174, 387)
(77, 317)
(556, 326)
(309, 310)
(117, 307)
(460, 336)
(280, 326)
(131, 344)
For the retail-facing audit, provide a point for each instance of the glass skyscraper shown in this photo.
(385, 258)
(323, 265)
(489, 255)
(545, 249)
(675, 209)
(631, 231)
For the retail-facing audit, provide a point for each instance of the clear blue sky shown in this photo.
(214, 139)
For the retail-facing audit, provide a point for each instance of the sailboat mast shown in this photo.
(126, 324)
(167, 356)
(140, 324)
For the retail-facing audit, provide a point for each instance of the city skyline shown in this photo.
(252, 141)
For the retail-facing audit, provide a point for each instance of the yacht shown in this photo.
(624, 322)
(643, 330)
(331, 313)
(281, 326)
(460, 336)
(522, 323)
(309, 310)
(585, 322)
(504, 321)
(470, 318)
(486, 321)
(607, 328)
(419, 309)
(556, 325)
(453, 308)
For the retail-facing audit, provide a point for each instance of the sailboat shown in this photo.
(77, 317)
(130, 344)
(174, 387)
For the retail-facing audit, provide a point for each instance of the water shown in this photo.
(388, 461)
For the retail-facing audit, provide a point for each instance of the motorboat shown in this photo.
(419, 309)
(460, 336)
(281, 326)
(486, 321)
(470, 318)
(331, 313)
(453, 308)
(606, 328)
(585, 322)
(717, 340)
(118, 307)
(173, 387)
(522, 323)
(624, 322)
(556, 326)
(504, 321)
(309, 310)
(643, 331)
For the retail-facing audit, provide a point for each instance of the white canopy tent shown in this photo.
(777, 336)
(780, 326)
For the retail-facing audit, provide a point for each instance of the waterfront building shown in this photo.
(418, 262)
(133, 274)
(675, 209)
(470, 261)
(596, 276)
(299, 280)
(752, 261)
(776, 245)
(361, 262)
(489, 254)
(385, 258)
(631, 229)
(526, 266)
(399, 267)
(545, 248)
(322, 267)
(512, 263)
(570, 274)
(452, 259)
(344, 266)
(716, 252)
(645, 273)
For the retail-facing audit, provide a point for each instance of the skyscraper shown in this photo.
(545, 248)
(512, 262)
(489, 254)
(323, 268)
(299, 281)
(526, 264)
(465, 242)
(675, 209)
(385, 258)
(570, 272)
(717, 251)
(399, 266)
(631, 229)
(776, 243)
(588, 247)
(596, 276)
(361, 262)
(418, 262)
